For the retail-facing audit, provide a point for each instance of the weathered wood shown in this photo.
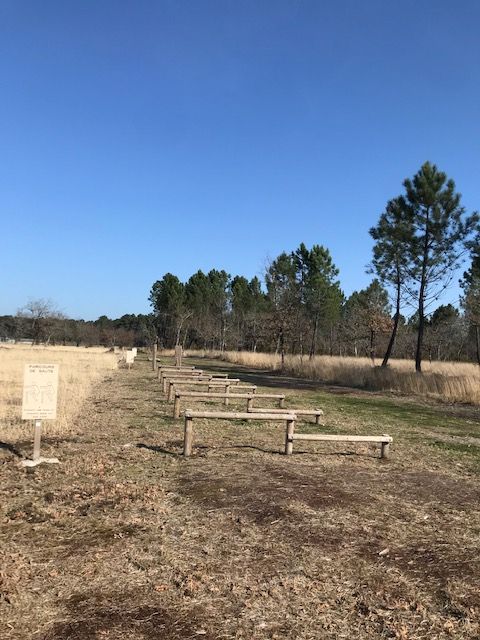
(384, 440)
(385, 448)
(37, 436)
(170, 376)
(289, 436)
(188, 436)
(174, 384)
(341, 438)
(205, 394)
(238, 415)
(154, 358)
(205, 380)
(201, 395)
(178, 355)
(178, 374)
(224, 415)
(169, 367)
(317, 413)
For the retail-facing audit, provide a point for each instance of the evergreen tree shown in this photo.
(390, 257)
(471, 298)
(438, 233)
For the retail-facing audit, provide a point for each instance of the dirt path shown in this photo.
(126, 539)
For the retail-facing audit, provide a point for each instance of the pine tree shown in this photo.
(439, 231)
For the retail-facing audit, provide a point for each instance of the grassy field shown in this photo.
(127, 539)
(446, 381)
(79, 370)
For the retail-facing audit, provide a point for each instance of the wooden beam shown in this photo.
(298, 412)
(342, 438)
(237, 415)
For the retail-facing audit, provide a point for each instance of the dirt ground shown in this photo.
(128, 539)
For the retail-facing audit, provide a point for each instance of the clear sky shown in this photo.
(144, 137)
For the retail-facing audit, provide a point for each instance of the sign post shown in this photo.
(40, 388)
(129, 358)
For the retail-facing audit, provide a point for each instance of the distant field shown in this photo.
(79, 369)
(448, 381)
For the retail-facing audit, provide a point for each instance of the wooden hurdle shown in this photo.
(165, 377)
(199, 395)
(191, 373)
(211, 385)
(168, 379)
(316, 413)
(384, 440)
(161, 368)
(220, 415)
(223, 383)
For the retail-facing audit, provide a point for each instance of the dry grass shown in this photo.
(448, 381)
(79, 369)
(127, 540)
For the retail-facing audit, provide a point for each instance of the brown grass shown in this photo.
(79, 369)
(447, 381)
(128, 540)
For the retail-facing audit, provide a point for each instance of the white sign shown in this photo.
(134, 350)
(40, 387)
(129, 356)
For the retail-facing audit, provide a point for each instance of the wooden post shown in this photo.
(176, 407)
(385, 449)
(154, 360)
(164, 384)
(281, 402)
(249, 404)
(36, 440)
(188, 437)
(317, 419)
(178, 355)
(227, 390)
(289, 437)
(171, 387)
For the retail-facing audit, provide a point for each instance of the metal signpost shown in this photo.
(40, 388)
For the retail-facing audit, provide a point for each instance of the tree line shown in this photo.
(421, 239)
(40, 322)
(298, 306)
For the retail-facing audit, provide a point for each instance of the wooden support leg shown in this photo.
(289, 437)
(164, 384)
(281, 402)
(249, 404)
(36, 439)
(227, 390)
(170, 391)
(317, 419)
(385, 450)
(176, 407)
(188, 437)
(154, 360)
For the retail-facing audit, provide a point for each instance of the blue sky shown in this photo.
(146, 137)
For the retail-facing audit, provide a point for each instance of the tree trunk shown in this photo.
(477, 342)
(372, 346)
(421, 298)
(282, 348)
(421, 328)
(314, 339)
(396, 320)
